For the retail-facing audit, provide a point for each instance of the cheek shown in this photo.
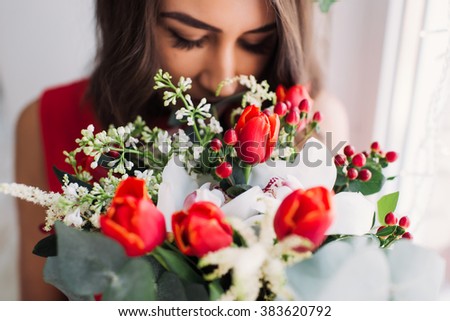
(250, 64)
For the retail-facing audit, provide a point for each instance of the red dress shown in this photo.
(63, 114)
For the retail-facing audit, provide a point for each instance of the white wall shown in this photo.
(355, 52)
(47, 42)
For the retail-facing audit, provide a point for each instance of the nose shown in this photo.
(220, 65)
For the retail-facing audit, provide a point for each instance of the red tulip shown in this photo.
(257, 135)
(294, 95)
(201, 229)
(133, 220)
(306, 213)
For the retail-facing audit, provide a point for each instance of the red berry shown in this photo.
(317, 117)
(224, 170)
(293, 117)
(391, 157)
(359, 160)
(404, 222)
(390, 219)
(230, 137)
(407, 235)
(352, 173)
(268, 112)
(339, 160)
(365, 175)
(304, 106)
(349, 150)
(280, 109)
(216, 144)
(365, 154)
(288, 104)
(375, 146)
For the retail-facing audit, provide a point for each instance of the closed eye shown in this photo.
(183, 43)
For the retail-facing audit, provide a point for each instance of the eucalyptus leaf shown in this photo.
(386, 204)
(52, 275)
(86, 263)
(134, 282)
(416, 273)
(350, 269)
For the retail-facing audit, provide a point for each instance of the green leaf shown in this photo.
(215, 290)
(86, 263)
(387, 204)
(238, 174)
(388, 230)
(172, 288)
(176, 262)
(341, 178)
(46, 247)
(60, 174)
(372, 186)
(134, 282)
(237, 190)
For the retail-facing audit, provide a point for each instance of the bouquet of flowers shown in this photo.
(261, 211)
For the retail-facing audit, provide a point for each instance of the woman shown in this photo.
(205, 40)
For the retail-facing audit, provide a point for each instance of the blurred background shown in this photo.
(387, 61)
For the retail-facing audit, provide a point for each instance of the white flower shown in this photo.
(353, 212)
(214, 126)
(258, 263)
(197, 152)
(74, 218)
(175, 186)
(245, 205)
(95, 220)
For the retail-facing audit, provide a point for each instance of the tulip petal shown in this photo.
(244, 206)
(353, 214)
(175, 186)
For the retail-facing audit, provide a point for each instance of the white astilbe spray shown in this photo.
(37, 196)
(30, 194)
(261, 263)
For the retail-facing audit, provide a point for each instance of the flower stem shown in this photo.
(247, 171)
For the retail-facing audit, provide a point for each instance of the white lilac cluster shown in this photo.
(257, 94)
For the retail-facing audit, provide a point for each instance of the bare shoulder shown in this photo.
(334, 115)
(29, 151)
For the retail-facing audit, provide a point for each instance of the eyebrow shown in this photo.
(192, 22)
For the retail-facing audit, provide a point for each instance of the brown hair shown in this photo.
(121, 85)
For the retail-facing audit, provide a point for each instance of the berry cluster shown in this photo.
(353, 163)
(393, 229)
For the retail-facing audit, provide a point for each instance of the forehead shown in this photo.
(227, 15)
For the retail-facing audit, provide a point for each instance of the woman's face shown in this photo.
(211, 40)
